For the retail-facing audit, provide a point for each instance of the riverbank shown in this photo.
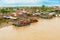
(45, 29)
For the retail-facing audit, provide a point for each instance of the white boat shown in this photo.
(9, 17)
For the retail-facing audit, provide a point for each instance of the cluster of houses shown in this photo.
(24, 17)
(23, 13)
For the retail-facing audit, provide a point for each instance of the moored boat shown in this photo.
(32, 20)
(22, 23)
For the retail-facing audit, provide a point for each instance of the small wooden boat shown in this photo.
(22, 23)
(32, 20)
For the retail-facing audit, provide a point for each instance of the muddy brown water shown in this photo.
(45, 29)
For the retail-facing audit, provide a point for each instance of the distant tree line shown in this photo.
(42, 8)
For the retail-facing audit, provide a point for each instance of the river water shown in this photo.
(45, 29)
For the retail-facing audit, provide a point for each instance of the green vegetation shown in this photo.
(3, 21)
(42, 8)
(58, 12)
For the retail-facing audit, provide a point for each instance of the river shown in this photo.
(45, 29)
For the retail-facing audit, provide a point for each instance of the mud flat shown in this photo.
(45, 29)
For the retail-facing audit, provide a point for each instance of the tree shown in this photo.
(43, 8)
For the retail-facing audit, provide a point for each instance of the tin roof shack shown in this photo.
(47, 15)
(43, 15)
(52, 13)
(36, 14)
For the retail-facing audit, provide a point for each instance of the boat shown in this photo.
(22, 23)
(32, 20)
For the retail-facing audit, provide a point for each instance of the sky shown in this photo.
(7, 3)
